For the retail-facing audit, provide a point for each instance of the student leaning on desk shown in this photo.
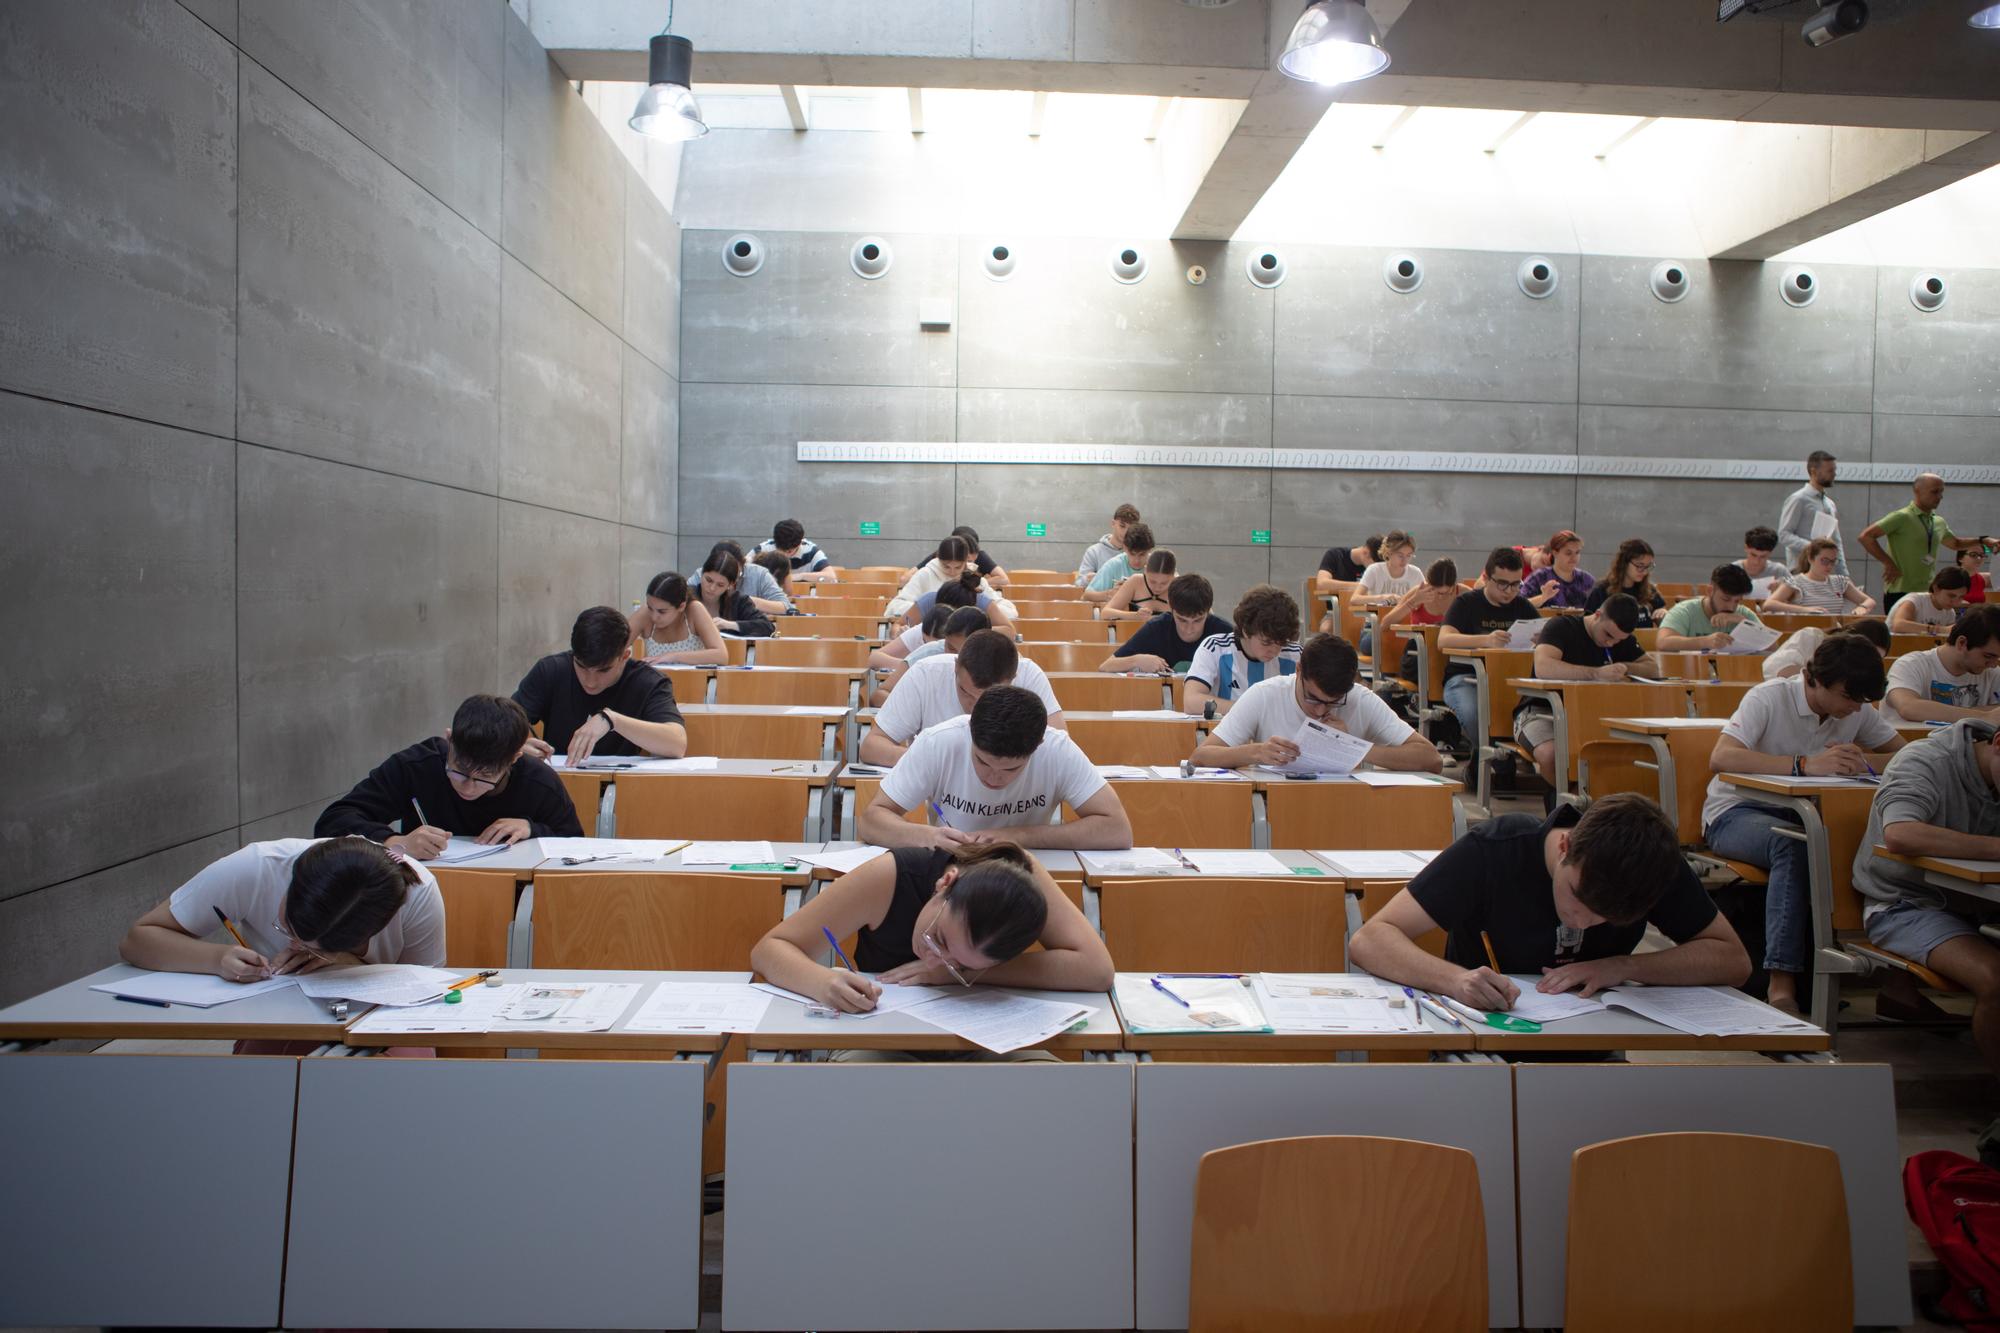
(594, 699)
(1567, 898)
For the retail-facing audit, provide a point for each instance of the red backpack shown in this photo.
(1956, 1203)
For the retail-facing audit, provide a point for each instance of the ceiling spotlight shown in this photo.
(1834, 21)
(1989, 17)
(1334, 41)
(667, 109)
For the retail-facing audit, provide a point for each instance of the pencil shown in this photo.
(230, 926)
(1491, 957)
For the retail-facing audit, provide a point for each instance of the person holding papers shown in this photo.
(1265, 641)
(1940, 798)
(1765, 573)
(1002, 768)
(299, 904)
(1703, 624)
(595, 699)
(935, 916)
(1954, 680)
(947, 686)
(1935, 609)
(1478, 619)
(1565, 898)
(1262, 726)
(476, 781)
(1815, 724)
(1167, 643)
(1598, 646)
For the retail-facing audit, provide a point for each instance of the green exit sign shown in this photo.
(870, 528)
(1038, 529)
(1260, 536)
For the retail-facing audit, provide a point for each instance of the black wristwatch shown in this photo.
(1208, 710)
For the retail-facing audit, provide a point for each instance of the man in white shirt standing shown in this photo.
(1260, 728)
(1001, 773)
(1955, 680)
(940, 688)
(1809, 512)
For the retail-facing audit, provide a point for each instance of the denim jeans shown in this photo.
(1461, 695)
(1746, 833)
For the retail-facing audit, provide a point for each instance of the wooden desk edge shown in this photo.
(169, 1030)
(917, 1041)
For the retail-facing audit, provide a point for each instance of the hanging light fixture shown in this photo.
(667, 108)
(1987, 17)
(1334, 41)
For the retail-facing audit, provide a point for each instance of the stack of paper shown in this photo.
(1334, 1002)
(1237, 863)
(1376, 865)
(589, 1006)
(701, 1006)
(460, 850)
(1751, 637)
(1135, 861)
(727, 854)
(1188, 1004)
(844, 862)
(591, 851)
(1706, 1011)
(1123, 771)
(1000, 1021)
(396, 984)
(198, 990)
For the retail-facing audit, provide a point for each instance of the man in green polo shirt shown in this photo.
(1915, 533)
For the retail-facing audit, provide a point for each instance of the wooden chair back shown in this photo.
(1066, 656)
(586, 793)
(738, 650)
(1190, 924)
(863, 796)
(1094, 692)
(1501, 669)
(689, 683)
(1781, 617)
(878, 574)
(1744, 667)
(1719, 698)
(881, 588)
(1186, 814)
(1755, 1227)
(1352, 814)
(758, 736)
(815, 607)
(1132, 740)
(1913, 643)
(1376, 894)
(1368, 1235)
(478, 908)
(711, 805)
(1681, 666)
(1587, 707)
(825, 689)
(1044, 608)
(1048, 629)
(814, 652)
(1846, 816)
(1648, 638)
(1676, 592)
(1435, 663)
(660, 921)
(1040, 578)
(827, 627)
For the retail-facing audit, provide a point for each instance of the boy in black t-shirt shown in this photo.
(1166, 643)
(596, 699)
(1565, 898)
(1479, 619)
(1598, 646)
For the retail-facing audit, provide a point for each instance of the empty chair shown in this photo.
(1042, 609)
(1316, 814)
(1049, 629)
(1066, 656)
(1338, 1232)
(755, 736)
(1189, 814)
(1720, 1232)
(793, 687)
(478, 908)
(1104, 694)
(827, 627)
(1132, 740)
(654, 921)
(1194, 924)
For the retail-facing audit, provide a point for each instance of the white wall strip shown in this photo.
(1375, 460)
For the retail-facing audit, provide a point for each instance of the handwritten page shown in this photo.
(1373, 865)
(843, 863)
(590, 851)
(701, 1006)
(1134, 861)
(1706, 1011)
(1237, 863)
(892, 999)
(398, 984)
(460, 850)
(1521, 635)
(1001, 1022)
(1748, 636)
(727, 854)
(198, 990)
(1334, 1002)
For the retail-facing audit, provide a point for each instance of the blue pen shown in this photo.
(838, 952)
(1169, 994)
(937, 810)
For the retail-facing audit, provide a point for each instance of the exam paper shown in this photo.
(1706, 1011)
(1214, 1006)
(1123, 771)
(1534, 1005)
(1334, 1002)
(727, 853)
(1373, 865)
(1237, 863)
(1521, 635)
(1168, 714)
(589, 851)
(814, 710)
(1324, 749)
(460, 850)
(700, 763)
(1135, 860)
(398, 984)
(478, 1010)
(198, 990)
(1174, 771)
(894, 997)
(1001, 1022)
(1825, 525)
(1381, 779)
(842, 863)
(584, 1006)
(701, 1006)
(1748, 636)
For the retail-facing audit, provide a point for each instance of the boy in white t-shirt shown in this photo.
(1955, 680)
(1259, 729)
(947, 686)
(1002, 767)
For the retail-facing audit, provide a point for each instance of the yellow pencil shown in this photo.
(1491, 957)
(231, 927)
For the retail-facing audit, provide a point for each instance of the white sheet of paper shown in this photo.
(1750, 637)
(478, 1010)
(1383, 865)
(1135, 860)
(1166, 714)
(199, 990)
(1123, 771)
(1333, 1002)
(814, 710)
(1001, 1022)
(460, 850)
(1380, 779)
(1705, 1011)
(842, 863)
(1521, 635)
(398, 984)
(892, 998)
(590, 851)
(1173, 771)
(701, 1006)
(1225, 1007)
(727, 853)
(1534, 1005)
(1324, 749)
(585, 1006)
(1237, 863)
(1825, 525)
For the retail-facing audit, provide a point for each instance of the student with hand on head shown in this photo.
(672, 625)
(1264, 642)
(1138, 546)
(788, 538)
(1346, 564)
(999, 773)
(1107, 546)
(937, 916)
(1765, 573)
(1631, 574)
(1259, 729)
(1563, 581)
(1934, 610)
(301, 904)
(1790, 657)
(720, 594)
(1702, 624)
(1566, 898)
(1143, 595)
(1937, 798)
(594, 699)
(1166, 644)
(1479, 619)
(947, 686)
(1816, 724)
(1917, 535)
(1596, 646)
(475, 781)
(1958, 679)
(1813, 586)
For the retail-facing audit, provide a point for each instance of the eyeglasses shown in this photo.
(1319, 707)
(482, 785)
(1640, 567)
(937, 949)
(301, 946)
(1504, 583)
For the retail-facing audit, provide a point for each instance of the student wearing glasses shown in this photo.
(474, 781)
(1814, 586)
(1259, 729)
(937, 916)
(301, 904)
(1480, 619)
(1632, 574)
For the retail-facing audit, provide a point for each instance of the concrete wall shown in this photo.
(338, 371)
(1331, 359)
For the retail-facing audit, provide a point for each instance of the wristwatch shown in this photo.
(1208, 710)
(1798, 765)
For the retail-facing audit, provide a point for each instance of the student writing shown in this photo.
(594, 699)
(1259, 729)
(1958, 679)
(948, 686)
(1167, 643)
(1264, 642)
(671, 625)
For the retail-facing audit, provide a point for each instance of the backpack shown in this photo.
(1955, 1201)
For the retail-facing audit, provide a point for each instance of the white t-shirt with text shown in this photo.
(938, 767)
(928, 694)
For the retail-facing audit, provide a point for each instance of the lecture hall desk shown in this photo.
(1976, 879)
(768, 731)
